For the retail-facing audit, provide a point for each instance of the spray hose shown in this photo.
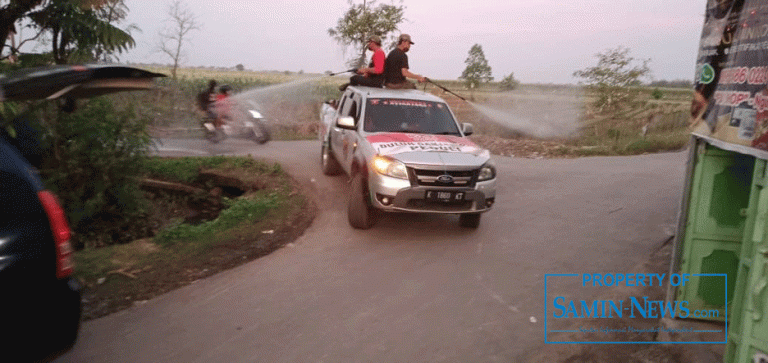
(342, 72)
(445, 89)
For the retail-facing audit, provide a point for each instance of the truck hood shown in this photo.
(421, 149)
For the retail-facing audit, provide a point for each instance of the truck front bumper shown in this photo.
(398, 195)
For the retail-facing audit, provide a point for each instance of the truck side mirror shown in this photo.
(467, 129)
(345, 122)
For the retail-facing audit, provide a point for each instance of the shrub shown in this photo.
(614, 80)
(92, 160)
(509, 82)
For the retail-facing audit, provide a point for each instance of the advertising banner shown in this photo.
(396, 143)
(731, 98)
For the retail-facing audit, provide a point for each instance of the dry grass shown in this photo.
(544, 120)
(552, 121)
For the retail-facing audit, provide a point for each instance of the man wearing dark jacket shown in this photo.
(396, 68)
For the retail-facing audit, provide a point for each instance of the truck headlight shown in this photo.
(487, 172)
(389, 167)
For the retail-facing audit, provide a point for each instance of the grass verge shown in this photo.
(271, 213)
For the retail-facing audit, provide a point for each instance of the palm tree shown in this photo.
(78, 30)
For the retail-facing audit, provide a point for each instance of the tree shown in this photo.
(172, 37)
(240, 67)
(509, 82)
(614, 79)
(364, 20)
(477, 71)
(113, 12)
(12, 13)
(78, 29)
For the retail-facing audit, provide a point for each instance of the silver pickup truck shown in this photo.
(405, 152)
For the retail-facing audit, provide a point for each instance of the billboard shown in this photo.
(731, 94)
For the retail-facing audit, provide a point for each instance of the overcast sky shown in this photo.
(540, 41)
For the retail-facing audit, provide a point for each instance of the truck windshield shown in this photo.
(412, 116)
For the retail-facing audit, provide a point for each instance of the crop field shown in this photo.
(532, 120)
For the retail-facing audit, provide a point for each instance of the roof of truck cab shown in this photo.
(407, 94)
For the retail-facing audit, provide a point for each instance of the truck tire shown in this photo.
(471, 220)
(328, 162)
(360, 213)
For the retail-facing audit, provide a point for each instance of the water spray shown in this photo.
(445, 89)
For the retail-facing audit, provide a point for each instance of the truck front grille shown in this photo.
(441, 178)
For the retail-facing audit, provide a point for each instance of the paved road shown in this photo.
(413, 288)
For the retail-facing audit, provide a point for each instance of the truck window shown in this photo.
(358, 108)
(410, 116)
(343, 104)
(348, 107)
(353, 110)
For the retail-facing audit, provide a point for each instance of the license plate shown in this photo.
(447, 197)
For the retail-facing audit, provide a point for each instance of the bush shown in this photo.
(614, 80)
(509, 82)
(93, 158)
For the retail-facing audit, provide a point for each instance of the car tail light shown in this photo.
(61, 233)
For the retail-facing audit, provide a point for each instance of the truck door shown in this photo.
(335, 138)
(348, 138)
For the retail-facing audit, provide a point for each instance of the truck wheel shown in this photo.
(360, 213)
(328, 162)
(471, 220)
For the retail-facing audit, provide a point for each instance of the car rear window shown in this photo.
(411, 116)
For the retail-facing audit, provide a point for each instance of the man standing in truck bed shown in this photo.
(396, 67)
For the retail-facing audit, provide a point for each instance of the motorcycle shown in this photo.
(236, 121)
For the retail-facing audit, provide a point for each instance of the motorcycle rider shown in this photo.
(206, 98)
(218, 112)
(223, 106)
(230, 119)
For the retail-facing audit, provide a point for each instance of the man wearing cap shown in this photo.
(373, 75)
(396, 67)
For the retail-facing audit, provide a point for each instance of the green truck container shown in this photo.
(719, 197)
(723, 231)
(722, 237)
(748, 333)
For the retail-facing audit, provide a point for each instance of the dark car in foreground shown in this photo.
(39, 297)
(40, 300)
